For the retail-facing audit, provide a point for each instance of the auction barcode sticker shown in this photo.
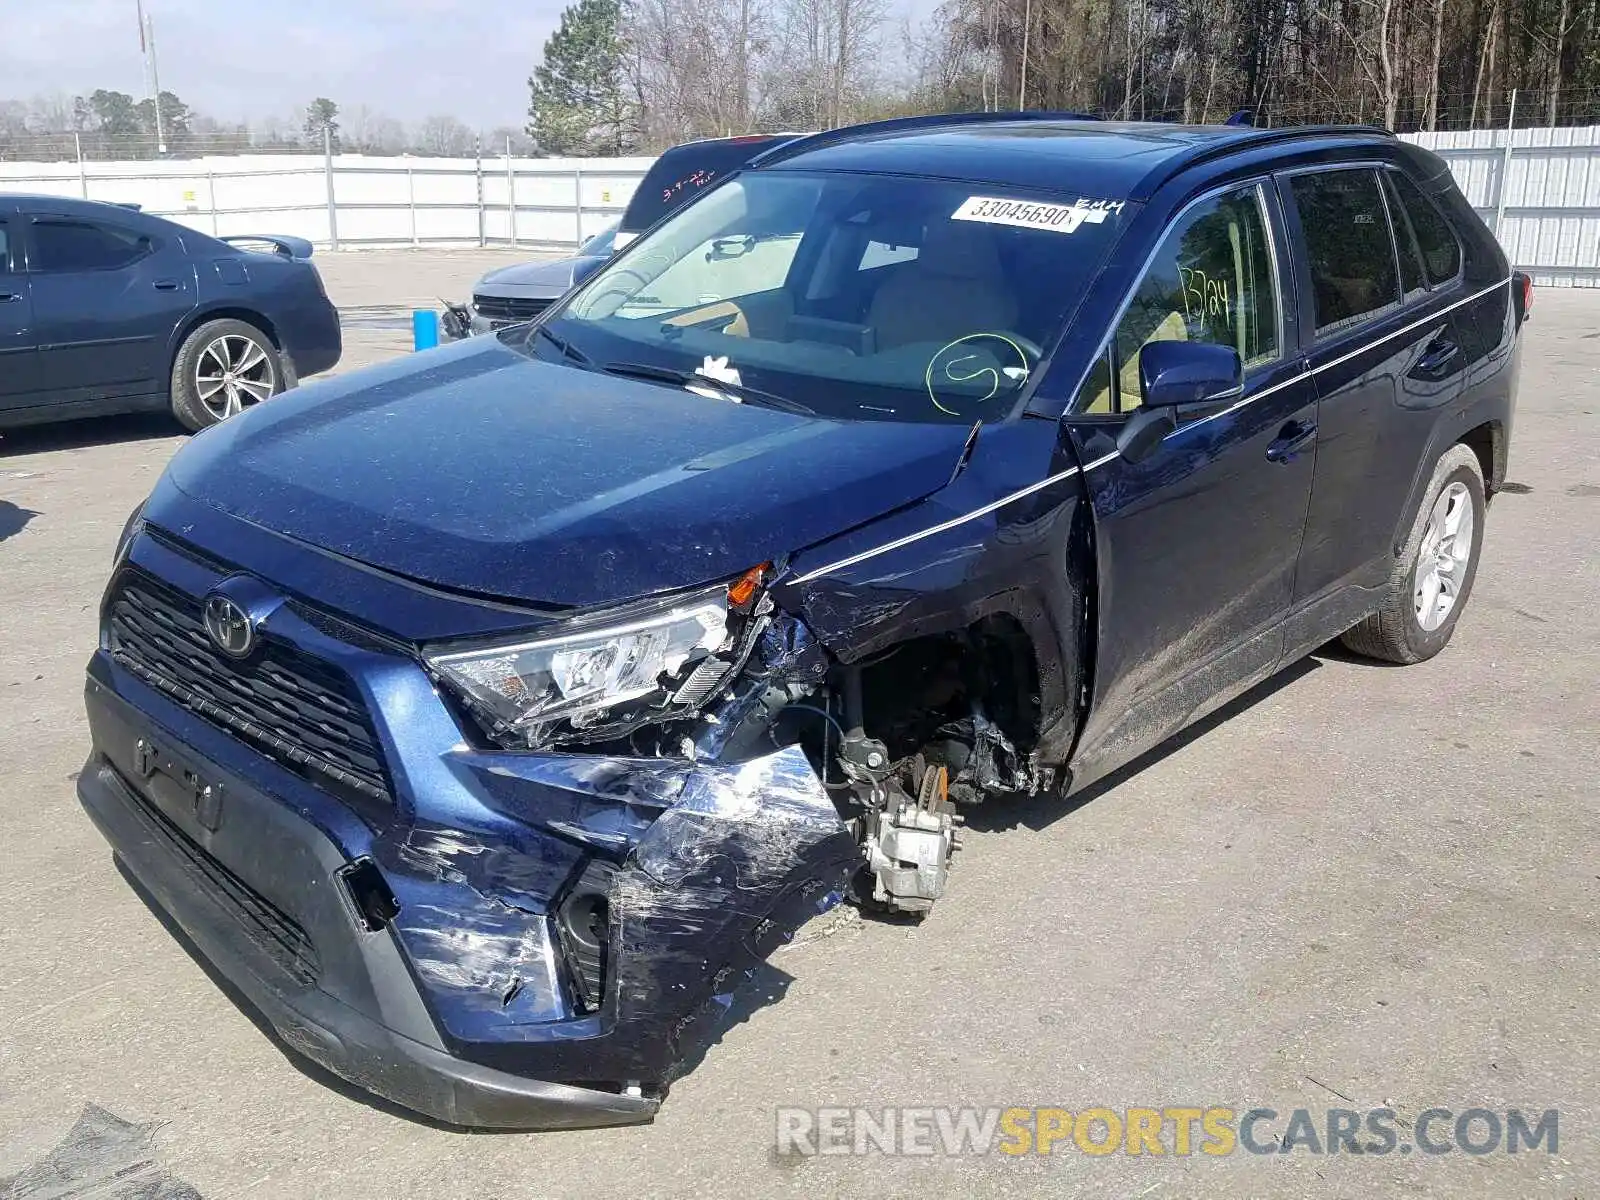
(1029, 214)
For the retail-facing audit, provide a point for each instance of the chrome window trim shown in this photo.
(994, 505)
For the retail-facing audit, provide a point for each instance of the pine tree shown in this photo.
(322, 114)
(579, 101)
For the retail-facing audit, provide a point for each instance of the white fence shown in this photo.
(350, 200)
(1540, 193)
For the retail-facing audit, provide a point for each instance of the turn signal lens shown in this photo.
(743, 589)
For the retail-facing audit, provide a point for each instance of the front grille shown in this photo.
(509, 309)
(276, 934)
(302, 713)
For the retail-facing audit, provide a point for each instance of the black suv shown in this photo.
(488, 714)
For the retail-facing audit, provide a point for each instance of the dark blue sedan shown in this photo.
(104, 309)
(486, 717)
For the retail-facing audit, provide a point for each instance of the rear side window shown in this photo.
(1211, 280)
(1348, 247)
(65, 245)
(1441, 249)
(5, 247)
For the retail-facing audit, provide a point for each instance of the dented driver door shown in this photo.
(1196, 544)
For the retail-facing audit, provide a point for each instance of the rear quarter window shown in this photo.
(1436, 237)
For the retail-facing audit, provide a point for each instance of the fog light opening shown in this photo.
(370, 899)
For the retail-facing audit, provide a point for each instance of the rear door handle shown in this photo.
(8, 297)
(1437, 355)
(1292, 438)
(166, 285)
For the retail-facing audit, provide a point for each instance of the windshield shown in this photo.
(853, 296)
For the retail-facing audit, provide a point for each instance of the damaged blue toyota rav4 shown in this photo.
(487, 716)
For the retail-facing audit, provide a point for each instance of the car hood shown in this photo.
(479, 469)
(533, 280)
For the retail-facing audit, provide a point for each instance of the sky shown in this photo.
(244, 60)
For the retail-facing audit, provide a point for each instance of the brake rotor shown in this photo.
(933, 794)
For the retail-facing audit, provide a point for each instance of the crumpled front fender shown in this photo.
(706, 868)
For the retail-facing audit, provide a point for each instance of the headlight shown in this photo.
(579, 677)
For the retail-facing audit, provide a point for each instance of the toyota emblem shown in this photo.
(229, 627)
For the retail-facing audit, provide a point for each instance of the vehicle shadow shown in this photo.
(1046, 808)
(91, 431)
(13, 519)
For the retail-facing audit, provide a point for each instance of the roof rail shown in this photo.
(1249, 138)
(848, 133)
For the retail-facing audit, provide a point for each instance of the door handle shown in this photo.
(8, 297)
(1437, 355)
(1292, 438)
(166, 285)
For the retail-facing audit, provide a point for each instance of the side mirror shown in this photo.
(1172, 375)
(1179, 373)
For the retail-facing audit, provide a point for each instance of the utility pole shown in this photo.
(147, 47)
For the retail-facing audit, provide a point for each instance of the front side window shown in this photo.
(66, 245)
(1441, 250)
(5, 247)
(1349, 251)
(1212, 280)
(855, 296)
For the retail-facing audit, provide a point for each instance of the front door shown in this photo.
(19, 372)
(1197, 543)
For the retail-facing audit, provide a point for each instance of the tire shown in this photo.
(222, 368)
(1418, 614)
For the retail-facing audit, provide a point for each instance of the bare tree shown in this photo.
(444, 136)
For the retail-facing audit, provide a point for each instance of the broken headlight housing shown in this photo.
(605, 675)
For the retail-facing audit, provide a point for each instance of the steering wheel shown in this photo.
(1032, 347)
(954, 363)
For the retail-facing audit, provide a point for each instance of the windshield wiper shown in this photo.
(567, 349)
(734, 391)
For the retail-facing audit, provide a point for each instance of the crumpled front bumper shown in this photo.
(464, 1004)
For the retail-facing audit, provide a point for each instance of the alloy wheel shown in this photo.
(1443, 557)
(232, 372)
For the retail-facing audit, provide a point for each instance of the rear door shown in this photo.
(1196, 544)
(1388, 350)
(107, 295)
(19, 372)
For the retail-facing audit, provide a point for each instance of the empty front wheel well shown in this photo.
(912, 689)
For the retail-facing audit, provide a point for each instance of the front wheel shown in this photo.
(222, 368)
(1433, 574)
